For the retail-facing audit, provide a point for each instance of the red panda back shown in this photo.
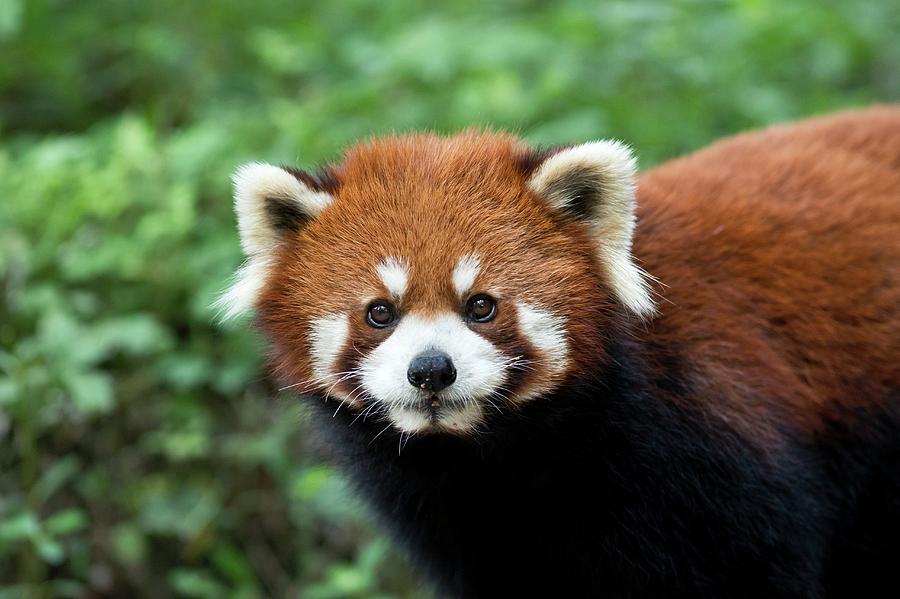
(780, 255)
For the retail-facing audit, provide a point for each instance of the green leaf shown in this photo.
(196, 583)
(58, 474)
(10, 18)
(91, 392)
(9, 391)
(20, 526)
(50, 551)
(65, 522)
(129, 544)
(232, 564)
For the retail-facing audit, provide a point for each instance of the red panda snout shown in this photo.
(481, 368)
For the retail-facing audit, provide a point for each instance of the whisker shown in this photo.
(347, 375)
(402, 444)
(314, 380)
(379, 434)
(375, 409)
(357, 389)
(488, 400)
(361, 415)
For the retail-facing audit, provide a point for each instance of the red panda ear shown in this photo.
(270, 203)
(594, 182)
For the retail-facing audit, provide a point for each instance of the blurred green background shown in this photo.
(143, 452)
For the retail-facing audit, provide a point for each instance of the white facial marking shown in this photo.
(463, 419)
(480, 371)
(328, 335)
(394, 274)
(408, 421)
(547, 333)
(465, 273)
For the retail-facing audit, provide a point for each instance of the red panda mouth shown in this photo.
(434, 408)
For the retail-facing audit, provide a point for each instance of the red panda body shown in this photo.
(532, 415)
(781, 255)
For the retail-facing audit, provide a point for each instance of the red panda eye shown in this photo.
(380, 314)
(481, 308)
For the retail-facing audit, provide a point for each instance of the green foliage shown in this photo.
(141, 449)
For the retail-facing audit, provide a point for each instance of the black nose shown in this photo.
(431, 370)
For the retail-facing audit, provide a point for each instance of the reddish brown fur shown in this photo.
(778, 250)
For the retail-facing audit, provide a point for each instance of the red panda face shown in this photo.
(429, 281)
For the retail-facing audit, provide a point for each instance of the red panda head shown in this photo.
(432, 279)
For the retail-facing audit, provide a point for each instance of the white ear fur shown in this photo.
(595, 182)
(255, 185)
(258, 187)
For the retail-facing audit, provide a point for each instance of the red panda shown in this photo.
(553, 377)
